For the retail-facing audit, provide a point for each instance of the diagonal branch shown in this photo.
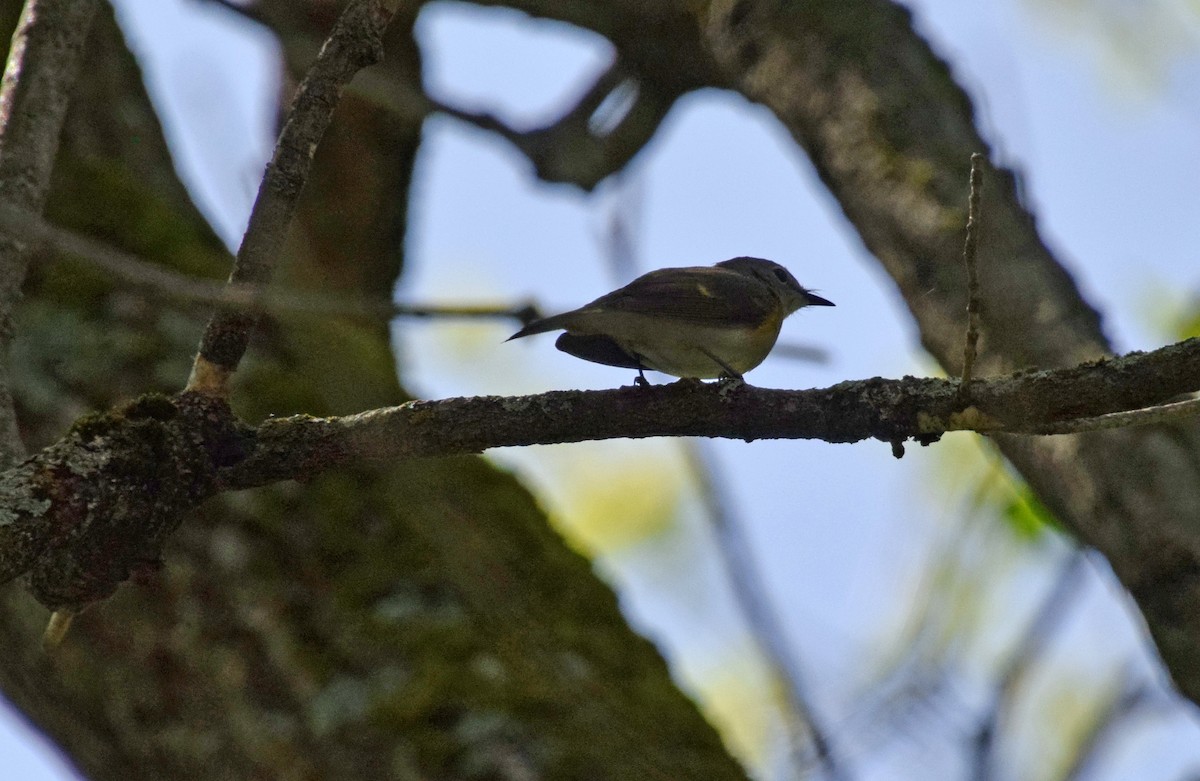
(43, 63)
(604, 128)
(602, 132)
(889, 132)
(355, 43)
(596, 137)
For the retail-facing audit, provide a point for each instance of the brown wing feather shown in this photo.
(704, 296)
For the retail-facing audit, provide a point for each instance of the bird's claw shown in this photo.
(727, 385)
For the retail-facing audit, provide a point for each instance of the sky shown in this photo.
(1096, 108)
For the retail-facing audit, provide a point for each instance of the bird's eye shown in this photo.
(782, 275)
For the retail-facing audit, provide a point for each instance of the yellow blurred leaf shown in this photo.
(613, 503)
(733, 697)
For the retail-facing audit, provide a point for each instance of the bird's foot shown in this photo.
(727, 385)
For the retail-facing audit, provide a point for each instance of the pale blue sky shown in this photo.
(844, 534)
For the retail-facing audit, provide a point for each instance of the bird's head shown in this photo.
(793, 295)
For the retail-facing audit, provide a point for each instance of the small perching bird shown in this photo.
(701, 322)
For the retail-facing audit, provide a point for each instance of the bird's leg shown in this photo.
(727, 372)
(640, 380)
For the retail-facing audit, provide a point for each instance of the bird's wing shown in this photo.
(704, 296)
(597, 348)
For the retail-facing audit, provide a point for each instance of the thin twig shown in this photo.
(970, 247)
(622, 227)
(741, 569)
(1163, 413)
(43, 63)
(355, 43)
(166, 284)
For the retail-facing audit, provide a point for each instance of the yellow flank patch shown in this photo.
(769, 328)
(705, 291)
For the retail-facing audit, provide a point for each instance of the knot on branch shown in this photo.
(115, 488)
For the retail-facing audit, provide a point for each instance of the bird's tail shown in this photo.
(553, 323)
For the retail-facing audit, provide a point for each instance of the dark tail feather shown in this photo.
(555, 323)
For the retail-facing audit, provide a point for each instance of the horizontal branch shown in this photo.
(79, 517)
(888, 410)
(164, 284)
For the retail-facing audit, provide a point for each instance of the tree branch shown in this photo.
(583, 147)
(970, 253)
(658, 60)
(355, 43)
(96, 507)
(889, 132)
(90, 510)
(165, 284)
(888, 410)
(47, 49)
(596, 137)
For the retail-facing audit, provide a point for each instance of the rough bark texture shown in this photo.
(355, 43)
(410, 621)
(47, 49)
(891, 135)
(84, 515)
(420, 620)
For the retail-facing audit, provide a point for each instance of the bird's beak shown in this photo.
(812, 299)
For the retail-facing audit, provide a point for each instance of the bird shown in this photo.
(700, 322)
